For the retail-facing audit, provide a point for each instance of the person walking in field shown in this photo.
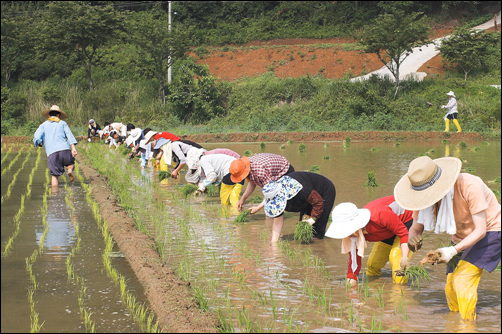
(59, 143)
(381, 221)
(462, 205)
(452, 113)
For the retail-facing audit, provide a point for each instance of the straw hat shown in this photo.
(347, 219)
(278, 193)
(450, 93)
(426, 182)
(149, 135)
(239, 169)
(63, 115)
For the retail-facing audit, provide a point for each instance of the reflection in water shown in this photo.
(61, 231)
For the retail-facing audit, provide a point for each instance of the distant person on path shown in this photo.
(59, 143)
(462, 205)
(259, 169)
(310, 194)
(381, 221)
(93, 130)
(452, 113)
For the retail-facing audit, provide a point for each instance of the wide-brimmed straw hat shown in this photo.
(347, 219)
(450, 93)
(149, 135)
(239, 169)
(426, 182)
(63, 115)
(278, 193)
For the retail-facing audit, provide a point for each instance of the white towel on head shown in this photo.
(445, 221)
(356, 246)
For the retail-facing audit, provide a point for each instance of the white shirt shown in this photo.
(451, 106)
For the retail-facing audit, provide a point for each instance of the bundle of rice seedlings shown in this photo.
(304, 233)
(163, 174)
(213, 190)
(243, 216)
(372, 180)
(188, 189)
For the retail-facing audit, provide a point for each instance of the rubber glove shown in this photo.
(446, 254)
(415, 243)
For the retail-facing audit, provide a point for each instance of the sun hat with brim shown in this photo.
(239, 169)
(63, 115)
(128, 141)
(278, 193)
(426, 182)
(135, 134)
(149, 135)
(450, 93)
(91, 121)
(193, 156)
(347, 219)
(161, 142)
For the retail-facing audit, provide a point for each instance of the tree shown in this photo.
(469, 49)
(150, 31)
(393, 35)
(15, 41)
(78, 27)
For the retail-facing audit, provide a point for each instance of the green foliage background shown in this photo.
(127, 84)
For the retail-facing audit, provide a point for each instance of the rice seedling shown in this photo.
(326, 157)
(290, 142)
(397, 144)
(213, 190)
(188, 189)
(304, 233)
(371, 180)
(379, 296)
(13, 161)
(302, 147)
(445, 141)
(314, 169)
(462, 144)
(416, 274)
(262, 145)
(163, 174)
(282, 147)
(376, 327)
(6, 155)
(243, 216)
(248, 153)
(470, 169)
(256, 200)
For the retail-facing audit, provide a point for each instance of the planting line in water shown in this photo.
(6, 155)
(85, 313)
(140, 313)
(13, 161)
(14, 178)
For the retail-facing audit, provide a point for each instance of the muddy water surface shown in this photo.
(292, 287)
(56, 297)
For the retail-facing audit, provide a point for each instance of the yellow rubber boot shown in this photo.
(459, 129)
(235, 194)
(395, 262)
(378, 258)
(461, 289)
(447, 125)
(225, 192)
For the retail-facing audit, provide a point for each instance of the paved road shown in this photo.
(420, 56)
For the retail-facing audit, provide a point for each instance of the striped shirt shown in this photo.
(266, 167)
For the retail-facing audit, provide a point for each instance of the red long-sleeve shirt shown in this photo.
(387, 220)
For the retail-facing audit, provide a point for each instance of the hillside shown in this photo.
(333, 58)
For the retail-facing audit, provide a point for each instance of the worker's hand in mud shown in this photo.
(404, 264)
(309, 219)
(197, 193)
(415, 243)
(240, 203)
(174, 175)
(446, 254)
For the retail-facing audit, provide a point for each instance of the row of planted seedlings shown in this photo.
(17, 218)
(14, 160)
(140, 312)
(213, 279)
(35, 325)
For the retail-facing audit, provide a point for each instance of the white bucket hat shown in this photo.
(129, 141)
(426, 182)
(135, 134)
(450, 93)
(193, 156)
(347, 219)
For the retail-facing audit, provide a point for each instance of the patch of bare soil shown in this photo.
(169, 297)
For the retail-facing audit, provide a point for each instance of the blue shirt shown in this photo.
(55, 136)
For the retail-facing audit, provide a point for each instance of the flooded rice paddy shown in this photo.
(234, 270)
